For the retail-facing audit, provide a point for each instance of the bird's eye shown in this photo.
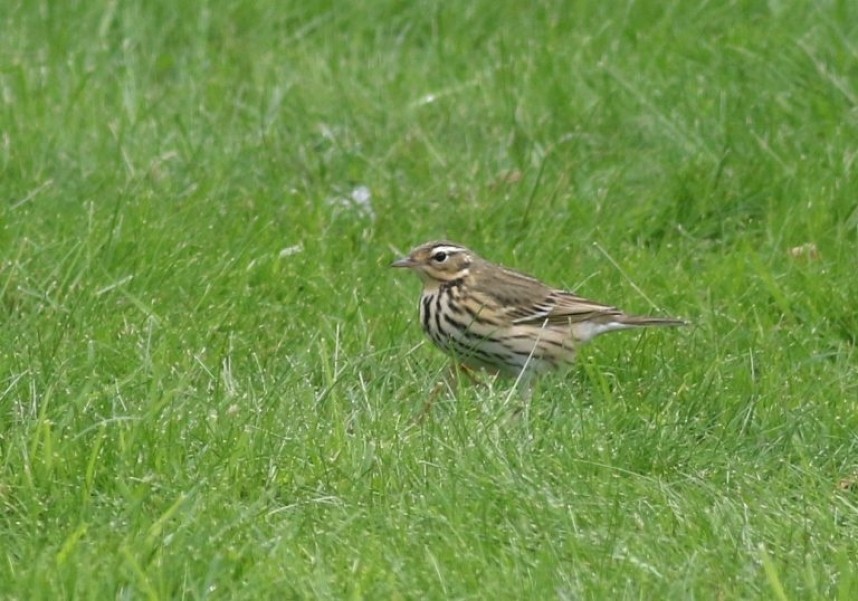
(439, 257)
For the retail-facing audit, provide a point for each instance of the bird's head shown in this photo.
(438, 262)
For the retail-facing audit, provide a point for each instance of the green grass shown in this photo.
(209, 375)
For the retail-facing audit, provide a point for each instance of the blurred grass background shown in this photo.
(210, 376)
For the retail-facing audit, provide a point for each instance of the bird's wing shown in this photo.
(558, 307)
(523, 300)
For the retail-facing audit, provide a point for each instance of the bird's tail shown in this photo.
(641, 320)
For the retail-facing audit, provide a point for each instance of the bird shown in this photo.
(496, 319)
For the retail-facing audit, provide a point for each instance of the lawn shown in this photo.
(210, 378)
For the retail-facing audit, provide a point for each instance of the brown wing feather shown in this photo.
(511, 294)
(564, 308)
(524, 300)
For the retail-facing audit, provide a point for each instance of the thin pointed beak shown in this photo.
(403, 262)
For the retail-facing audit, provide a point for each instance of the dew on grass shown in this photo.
(358, 200)
(291, 250)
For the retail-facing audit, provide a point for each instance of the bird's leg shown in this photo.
(524, 385)
(459, 369)
(451, 381)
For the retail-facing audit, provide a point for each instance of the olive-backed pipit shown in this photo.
(490, 317)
